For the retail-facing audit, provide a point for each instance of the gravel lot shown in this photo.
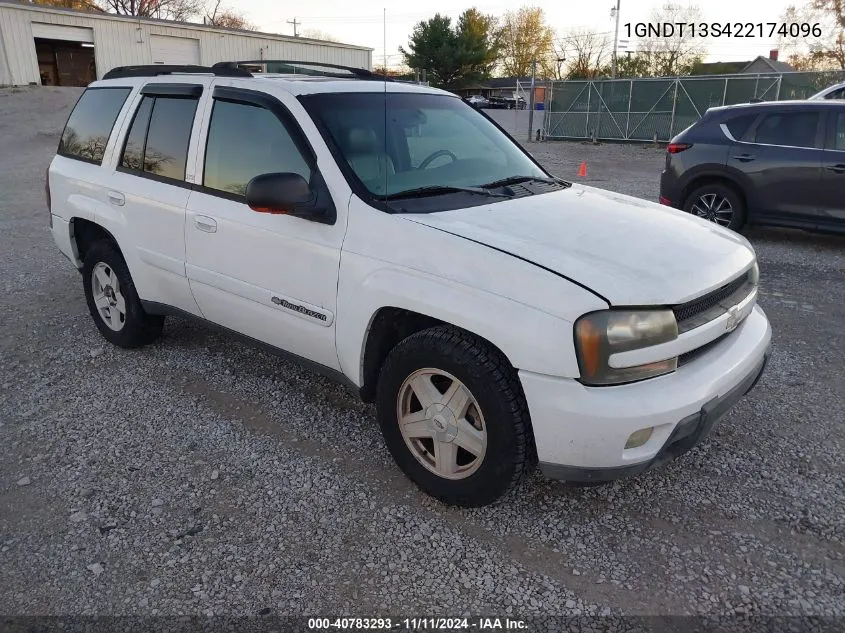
(200, 476)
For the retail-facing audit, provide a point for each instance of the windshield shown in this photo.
(426, 141)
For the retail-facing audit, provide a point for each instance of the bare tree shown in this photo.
(226, 18)
(821, 48)
(586, 53)
(178, 10)
(317, 34)
(673, 55)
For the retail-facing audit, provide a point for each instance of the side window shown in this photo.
(836, 94)
(245, 141)
(838, 131)
(157, 143)
(90, 124)
(793, 129)
(739, 125)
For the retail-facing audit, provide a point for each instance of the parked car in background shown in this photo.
(776, 163)
(515, 103)
(477, 101)
(836, 91)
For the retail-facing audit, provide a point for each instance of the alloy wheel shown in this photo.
(111, 305)
(714, 207)
(441, 423)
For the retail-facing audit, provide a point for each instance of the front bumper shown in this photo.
(689, 432)
(581, 432)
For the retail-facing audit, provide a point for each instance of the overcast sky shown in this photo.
(361, 21)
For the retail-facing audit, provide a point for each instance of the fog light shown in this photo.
(638, 438)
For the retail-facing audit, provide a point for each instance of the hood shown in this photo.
(625, 249)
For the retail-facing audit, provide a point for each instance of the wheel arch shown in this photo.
(84, 233)
(730, 179)
(389, 326)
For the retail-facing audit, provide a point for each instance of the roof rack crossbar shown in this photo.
(154, 70)
(358, 73)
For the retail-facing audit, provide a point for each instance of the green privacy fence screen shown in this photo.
(637, 109)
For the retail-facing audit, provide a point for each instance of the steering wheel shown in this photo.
(435, 155)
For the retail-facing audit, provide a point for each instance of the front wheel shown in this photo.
(719, 203)
(454, 417)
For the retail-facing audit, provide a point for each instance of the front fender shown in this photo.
(530, 338)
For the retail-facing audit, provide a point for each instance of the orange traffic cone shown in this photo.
(582, 173)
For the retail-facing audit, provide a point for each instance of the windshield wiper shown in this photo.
(435, 190)
(513, 180)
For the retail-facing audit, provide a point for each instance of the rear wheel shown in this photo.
(113, 301)
(454, 416)
(719, 203)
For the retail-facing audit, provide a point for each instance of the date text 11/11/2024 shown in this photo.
(418, 624)
(722, 29)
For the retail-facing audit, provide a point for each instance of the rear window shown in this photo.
(90, 124)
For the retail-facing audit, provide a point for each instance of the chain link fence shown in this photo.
(658, 108)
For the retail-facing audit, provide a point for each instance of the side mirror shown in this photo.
(280, 193)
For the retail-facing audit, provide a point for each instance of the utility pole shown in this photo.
(531, 99)
(295, 24)
(615, 12)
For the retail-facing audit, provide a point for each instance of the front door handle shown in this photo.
(205, 223)
(839, 168)
(745, 158)
(117, 198)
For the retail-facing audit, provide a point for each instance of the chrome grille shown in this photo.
(711, 306)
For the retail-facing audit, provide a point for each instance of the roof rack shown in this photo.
(296, 68)
(120, 72)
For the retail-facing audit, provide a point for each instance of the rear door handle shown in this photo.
(117, 198)
(745, 158)
(205, 223)
(839, 168)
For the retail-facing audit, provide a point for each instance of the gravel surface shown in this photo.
(200, 476)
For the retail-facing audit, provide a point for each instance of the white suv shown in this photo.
(396, 239)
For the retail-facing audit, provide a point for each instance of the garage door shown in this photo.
(58, 32)
(174, 50)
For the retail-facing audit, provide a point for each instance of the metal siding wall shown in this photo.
(5, 72)
(19, 47)
(116, 44)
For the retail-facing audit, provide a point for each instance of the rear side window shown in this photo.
(245, 141)
(90, 124)
(157, 143)
(739, 125)
(839, 132)
(793, 129)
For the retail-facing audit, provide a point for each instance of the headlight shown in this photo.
(600, 334)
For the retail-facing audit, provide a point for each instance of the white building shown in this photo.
(48, 45)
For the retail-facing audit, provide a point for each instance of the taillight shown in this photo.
(47, 194)
(675, 148)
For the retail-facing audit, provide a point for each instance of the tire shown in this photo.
(721, 195)
(133, 327)
(496, 409)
